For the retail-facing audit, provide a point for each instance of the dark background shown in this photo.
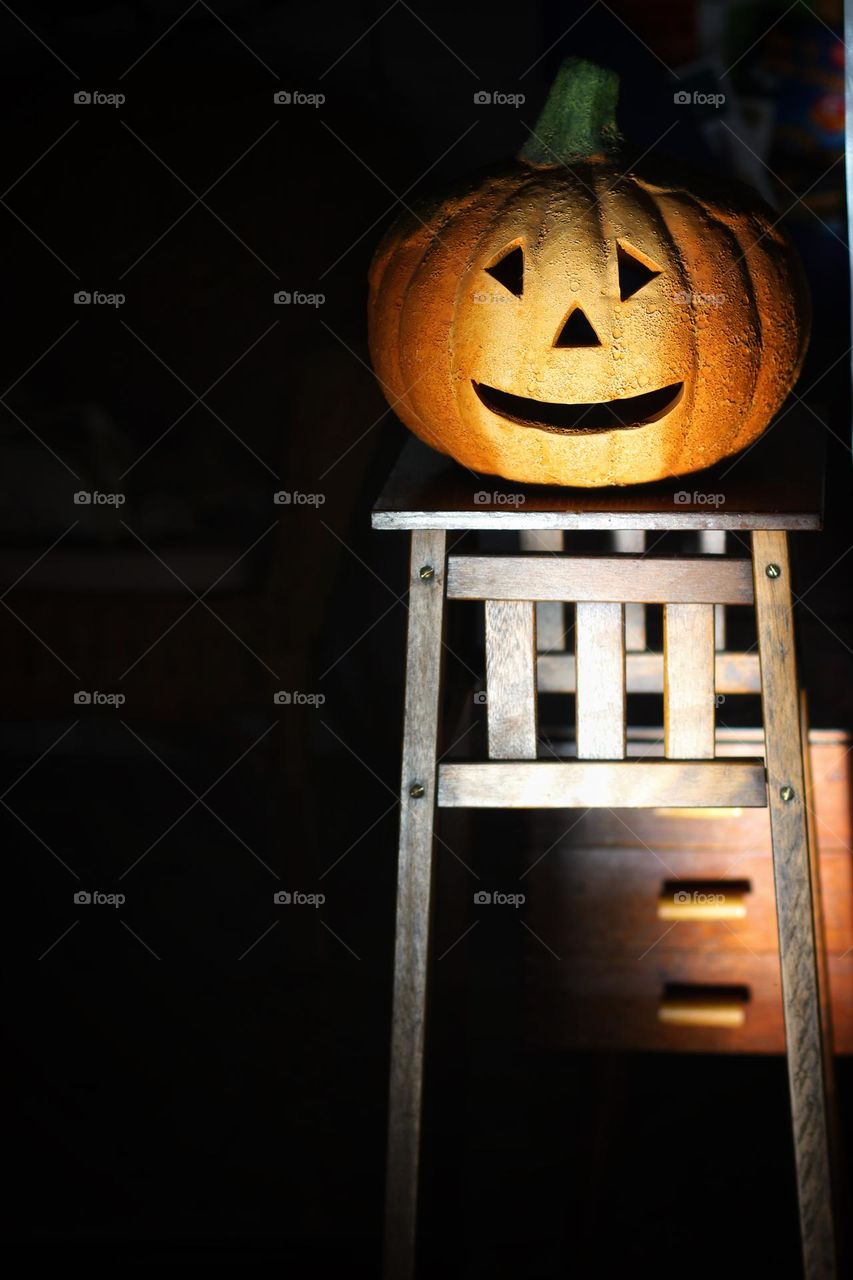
(200, 1074)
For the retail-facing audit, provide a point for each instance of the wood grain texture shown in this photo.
(583, 784)
(600, 665)
(607, 899)
(736, 831)
(627, 540)
(414, 899)
(511, 680)
(688, 696)
(713, 542)
(734, 672)
(550, 614)
(794, 904)
(687, 580)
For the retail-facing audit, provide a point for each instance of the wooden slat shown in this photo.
(623, 579)
(807, 1068)
(735, 673)
(713, 542)
(688, 696)
(550, 614)
(511, 679)
(635, 614)
(600, 664)
(414, 895)
(590, 784)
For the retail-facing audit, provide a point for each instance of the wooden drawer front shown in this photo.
(606, 1002)
(732, 829)
(608, 900)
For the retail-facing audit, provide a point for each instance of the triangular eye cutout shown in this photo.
(577, 331)
(509, 271)
(635, 270)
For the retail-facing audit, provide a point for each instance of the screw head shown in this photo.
(416, 790)
(773, 571)
(787, 793)
(426, 572)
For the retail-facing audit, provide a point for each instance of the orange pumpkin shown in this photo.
(577, 319)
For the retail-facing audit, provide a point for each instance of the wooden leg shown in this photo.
(414, 893)
(807, 1068)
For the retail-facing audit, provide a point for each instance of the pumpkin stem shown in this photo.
(578, 120)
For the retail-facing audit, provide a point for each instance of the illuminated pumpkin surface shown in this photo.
(577, 319)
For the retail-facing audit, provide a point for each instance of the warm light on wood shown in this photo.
(701, 1011)
(714, 902)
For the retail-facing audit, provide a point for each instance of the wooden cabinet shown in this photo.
(664, 923)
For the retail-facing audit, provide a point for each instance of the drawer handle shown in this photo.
(703, 900)
(699, 1006)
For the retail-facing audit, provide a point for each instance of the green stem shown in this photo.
(578, 120)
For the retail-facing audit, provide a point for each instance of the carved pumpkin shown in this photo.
(575, 319)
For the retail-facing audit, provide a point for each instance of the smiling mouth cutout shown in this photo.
(577, 419)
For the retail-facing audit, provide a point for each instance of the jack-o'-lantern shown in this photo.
(579, 319)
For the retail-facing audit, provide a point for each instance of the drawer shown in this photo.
(658, 1003)
(626, 900)
(831, 762)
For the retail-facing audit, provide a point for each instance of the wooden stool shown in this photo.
(772, 489)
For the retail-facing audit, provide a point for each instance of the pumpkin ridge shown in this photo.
(728, 229)
(658, 217)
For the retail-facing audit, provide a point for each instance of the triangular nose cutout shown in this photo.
(577, 332)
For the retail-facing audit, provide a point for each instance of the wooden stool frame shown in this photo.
(523, 592)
